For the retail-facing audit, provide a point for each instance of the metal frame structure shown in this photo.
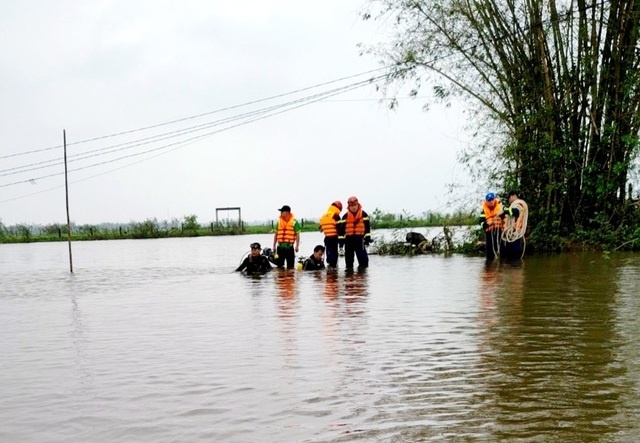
(235, 208)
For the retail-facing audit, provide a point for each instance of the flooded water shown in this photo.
(159, 341)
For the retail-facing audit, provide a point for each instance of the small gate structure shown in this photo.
(229, 209)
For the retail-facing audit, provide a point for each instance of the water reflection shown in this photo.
(285, 280)
(412, 349)
(553, 349)
(78, 337)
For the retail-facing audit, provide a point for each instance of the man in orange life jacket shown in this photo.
(329, 227)
(354, 233)
(287, 238)
(491, 223)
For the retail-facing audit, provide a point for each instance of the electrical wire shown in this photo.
(167, 135)
(144, 128)
(182, 143)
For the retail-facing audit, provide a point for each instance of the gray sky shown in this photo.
(101, 68)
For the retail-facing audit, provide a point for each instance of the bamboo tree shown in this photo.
(556, 83)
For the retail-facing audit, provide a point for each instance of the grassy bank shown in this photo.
(189, 227)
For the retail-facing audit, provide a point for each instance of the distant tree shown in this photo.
(54, 229)
(24, 232)
(191, 223)
(146, 229)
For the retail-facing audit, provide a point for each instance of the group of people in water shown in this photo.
(504, 226)
(346, 235)
(350, 234)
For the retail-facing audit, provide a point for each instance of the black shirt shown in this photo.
(258, 264)
(311, 264)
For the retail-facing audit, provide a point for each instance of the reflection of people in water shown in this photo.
(286, 284)
(488, 290)
(331, 288)
(356, 290)
(501, 287)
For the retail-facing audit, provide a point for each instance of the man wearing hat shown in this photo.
(491, 223)
(286, 238)
(255, 263)
(328, 226)
(354, 233)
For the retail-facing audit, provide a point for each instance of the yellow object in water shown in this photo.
(299, 266)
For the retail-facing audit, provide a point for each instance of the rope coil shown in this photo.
(515, 228)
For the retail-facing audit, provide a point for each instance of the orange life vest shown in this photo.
(328, 222)
(354, 223)
(491, 215)
(286, 230)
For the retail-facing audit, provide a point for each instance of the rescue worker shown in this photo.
(328, 226)
(514, 225)
(354, 234)
(286, 238)
(316, 261)
(491, 223)
(255, 263)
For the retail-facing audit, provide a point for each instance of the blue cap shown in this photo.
(490, 196)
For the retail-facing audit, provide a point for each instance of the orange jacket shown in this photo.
(286, 230)
(328, 222)
(491, 216)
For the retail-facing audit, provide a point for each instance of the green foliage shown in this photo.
(385, 220)
(553, 92)
(146, 229)
(54, 229)
(151, 228)
(191, 223)
(24, 232)
(441, 243)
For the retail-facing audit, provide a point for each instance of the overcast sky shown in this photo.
(100, 68)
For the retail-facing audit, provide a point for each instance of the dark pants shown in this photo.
(512, 251)
(287, 254)
(354, 244)
(492, 243)
(331, 247)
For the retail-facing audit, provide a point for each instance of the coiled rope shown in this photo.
(515, 228)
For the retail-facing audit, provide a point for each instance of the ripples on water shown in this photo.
(159, 341)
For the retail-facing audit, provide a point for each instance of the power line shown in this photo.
(318, 85)
(183, 143)
(167, 135)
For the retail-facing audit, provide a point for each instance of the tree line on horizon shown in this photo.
(190, 227)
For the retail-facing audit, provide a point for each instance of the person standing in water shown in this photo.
(286, 239)
(329, 227)
(354, 234)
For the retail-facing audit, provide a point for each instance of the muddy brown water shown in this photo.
(157, 340)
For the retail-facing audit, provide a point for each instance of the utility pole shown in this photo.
(66, 192)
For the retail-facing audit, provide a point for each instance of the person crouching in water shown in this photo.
(354, 233)
(316, 261)
(329, 227)
(255, 263)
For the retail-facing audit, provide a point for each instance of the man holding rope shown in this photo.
(514, 228)
(491, 223)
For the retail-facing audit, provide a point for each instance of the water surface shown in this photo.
(157, 340)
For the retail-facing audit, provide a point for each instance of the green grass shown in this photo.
(152, 228)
